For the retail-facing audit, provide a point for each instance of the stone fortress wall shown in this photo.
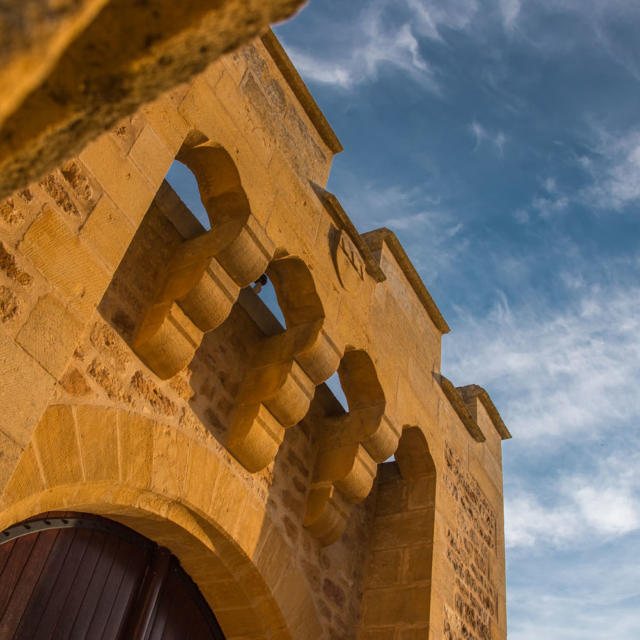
(144, 380)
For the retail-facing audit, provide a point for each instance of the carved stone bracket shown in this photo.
(202, 281)
(352, 446)
(285, 370)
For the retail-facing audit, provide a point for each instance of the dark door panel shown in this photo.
(75, 576)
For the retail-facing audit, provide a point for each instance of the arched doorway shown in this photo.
(77, 575)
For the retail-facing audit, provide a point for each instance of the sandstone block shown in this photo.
(151, 156)
(120, 177)
(241, 620)
(24, 392)
(384, 568)
(229, 595)
(245, 118)
(419, 559)
(267, 558)
(166, 122)
(98, 438)
(200, 477)
(421, 492)
(228, 499)
(60, 256)
(377, 634)
(19, 472)
(51, 334)
(57, 445)
(135, 437)
(108, 231)
(167, 340)
(392, 497)
(390, 607)
(170, 455)
(415, 633)
(404, 529)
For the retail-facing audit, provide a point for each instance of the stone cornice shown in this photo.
(301, 92)
(461, 408)
(471, 392)
(375, 239)
(342, 221)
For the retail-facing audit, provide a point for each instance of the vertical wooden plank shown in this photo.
(163, 612)
(112, 585)
(78, 591)
(6, 549)
(63, 584)
(182, 616)
(31, 573)
(88, 582)
(183, 612)
(92, 600)
(147, 603)
(44, 589)
(13, 569)
(137, 558)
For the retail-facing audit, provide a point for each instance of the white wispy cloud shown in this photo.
(547, 203)
(433, 236)
(586, 509)
(424, 21)
(548, 207)
(323, 71)
(453, 14)
(482, 134)
(584, 598)
(479, 132)
(385, 33)
(601, 23)
(558, 372)
(612, 167)
(374, 42)
(510, 10)
(521, 215)
(615, 170)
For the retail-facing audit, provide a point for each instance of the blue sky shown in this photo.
(500, 140)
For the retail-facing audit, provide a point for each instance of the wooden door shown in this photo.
(72, 575)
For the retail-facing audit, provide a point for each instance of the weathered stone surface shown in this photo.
(73, 68)
(24, 391)
(34, 33)
(50, 334)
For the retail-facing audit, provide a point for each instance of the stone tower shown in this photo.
(150, 394)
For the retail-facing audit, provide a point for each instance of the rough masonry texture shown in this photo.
(145, 380)
(70, 68)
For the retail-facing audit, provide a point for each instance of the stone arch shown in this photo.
(285, 369)
(397, 588)
(203, 279)
(413, 455)
(218, 178)
(351, 446)
(180, 494)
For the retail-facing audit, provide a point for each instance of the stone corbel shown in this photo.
(351, 447)
(204, 277)
(326, 513)
(285, 370)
